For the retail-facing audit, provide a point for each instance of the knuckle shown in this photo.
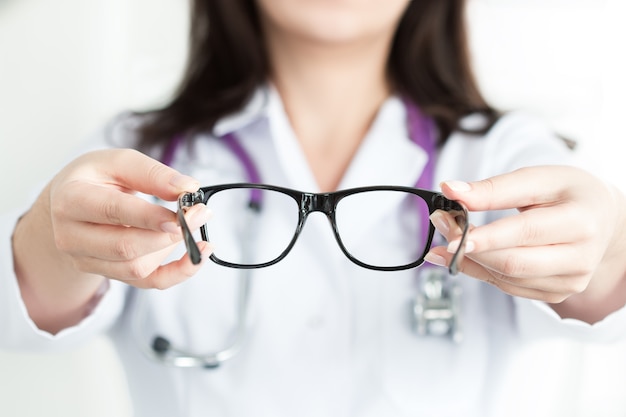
(58, 208)
(160, 284)
(554, 298)
(157, 173)
(488, 187)
(67, 244)
(497, 280)
(530, 233)
(138, 270)
(577, 285)
(79, 266)
(111, 212)
(585, 266)
(173, 238)
(61, 243)
(125, 249)
(163, 281)
(511, 266)
(126, 155)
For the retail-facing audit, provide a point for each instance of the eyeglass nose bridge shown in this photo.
(311, 202)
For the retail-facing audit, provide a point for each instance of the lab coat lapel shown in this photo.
(288, 149)
(387, 156)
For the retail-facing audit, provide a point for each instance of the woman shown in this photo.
(320, 95)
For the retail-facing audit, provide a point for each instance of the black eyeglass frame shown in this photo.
(327, 204)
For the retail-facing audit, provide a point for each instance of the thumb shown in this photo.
(521, 188)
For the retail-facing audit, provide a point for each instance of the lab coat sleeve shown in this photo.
(17, 330)
(536, 320)
(518, 141)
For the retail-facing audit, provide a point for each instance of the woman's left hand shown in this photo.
(565, 246)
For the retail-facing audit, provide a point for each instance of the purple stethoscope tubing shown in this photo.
(252, 173)
(422, 133)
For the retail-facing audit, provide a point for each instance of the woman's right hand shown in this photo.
(105, 229)
(88, 224)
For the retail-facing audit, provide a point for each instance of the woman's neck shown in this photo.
(331, 95)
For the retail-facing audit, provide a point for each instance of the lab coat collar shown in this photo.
(254, 110)
(387, 155)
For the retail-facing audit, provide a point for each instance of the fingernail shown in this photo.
(442, 226)
(454, 246)
(199, 216)
(435, 259)
(184, 182)
(458, 185)
(170, 227)
(206, 248)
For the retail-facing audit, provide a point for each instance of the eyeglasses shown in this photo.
(243, 203)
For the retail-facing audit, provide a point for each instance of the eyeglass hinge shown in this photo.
(441, 202)
(191, 199)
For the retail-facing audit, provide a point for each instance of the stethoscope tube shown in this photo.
(162, 349)
(165, 352)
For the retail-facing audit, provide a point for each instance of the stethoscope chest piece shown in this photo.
(436, 308)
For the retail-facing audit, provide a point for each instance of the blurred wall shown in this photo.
(67, 66)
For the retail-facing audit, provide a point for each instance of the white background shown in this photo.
(66, 66)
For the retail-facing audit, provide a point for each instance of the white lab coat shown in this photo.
(326, 337)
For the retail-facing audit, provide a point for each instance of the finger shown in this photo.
(173, 273)
(537, 261)
(553, 289)
(138, 172)
(525, 187)
(148, 271)
(538, 227)
(118, 243)
(104, 205)
(114, 243)
(546, 289)
(527, 262)
(446, 224)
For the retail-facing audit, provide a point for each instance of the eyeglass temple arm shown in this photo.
(460, 215)
(458, 255)
(186, 201)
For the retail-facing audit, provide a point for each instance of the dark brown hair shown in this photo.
(429, 63)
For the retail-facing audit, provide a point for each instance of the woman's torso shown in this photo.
(325, 336)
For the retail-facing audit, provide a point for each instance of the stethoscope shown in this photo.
(434, 310)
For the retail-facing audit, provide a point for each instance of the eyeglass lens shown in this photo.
(396, 238)
(236, 226)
